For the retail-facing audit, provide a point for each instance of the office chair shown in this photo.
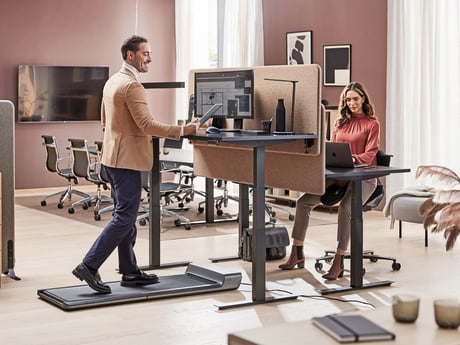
(104, 177)
(54, 163)
(372, 202)
(168, 190)
(270, 208)
(220, 201)
(83, 166)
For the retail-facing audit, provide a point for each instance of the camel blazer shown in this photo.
(129, 125)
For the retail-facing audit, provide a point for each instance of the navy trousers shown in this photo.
(121, 231)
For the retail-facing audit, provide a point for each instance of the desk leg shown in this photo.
(155, 215)
(243, 223)
(258, 223)
(209, 187)
(258, 238)
(356, 236)
(356, 246)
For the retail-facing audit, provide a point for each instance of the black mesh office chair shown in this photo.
(89, 169)
(103, 176)
(372, 202)
(168, 191)
(62, 166)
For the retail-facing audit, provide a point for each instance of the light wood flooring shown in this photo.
(48, 248)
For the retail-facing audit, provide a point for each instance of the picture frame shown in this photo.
(299, 48)
(337, 65)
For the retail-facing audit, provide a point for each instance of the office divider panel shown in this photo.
(7, 170)
(296, 165)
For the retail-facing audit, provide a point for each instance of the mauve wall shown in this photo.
(83, 32)
(361, 23)
(89, 32)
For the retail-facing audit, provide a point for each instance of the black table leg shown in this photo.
(155, 215)
(356, 246)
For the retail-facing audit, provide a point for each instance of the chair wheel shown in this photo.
(71, 210)
(43, 203)
(318, 266)
(97, 217)
(396, 266)
(85, 206)
(177, 222)
(187, 226)
(60, 205)
(200, 209)
(181, 205)
(373, 259)
(142, 222)
(220, 212)
(291, 217)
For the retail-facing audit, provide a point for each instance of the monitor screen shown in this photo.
(60, 93)
(233, 89)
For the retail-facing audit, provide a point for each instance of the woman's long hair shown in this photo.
(344, 111)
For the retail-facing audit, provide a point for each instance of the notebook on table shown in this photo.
(338, 155)
(352, 328)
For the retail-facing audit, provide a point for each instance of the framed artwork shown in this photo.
(298, 48)
(337, 65)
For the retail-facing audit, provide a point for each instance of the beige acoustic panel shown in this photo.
(298, 172)
(307, 109)
(7, 170)
(294, 166)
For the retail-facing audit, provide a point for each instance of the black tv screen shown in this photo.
(60, 93)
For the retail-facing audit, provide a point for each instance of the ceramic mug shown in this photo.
(266, 125)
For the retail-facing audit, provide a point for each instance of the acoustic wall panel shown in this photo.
(7, 170)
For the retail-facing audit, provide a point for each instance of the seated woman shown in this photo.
(357, 125)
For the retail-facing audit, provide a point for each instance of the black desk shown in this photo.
(155, 207)
(258, 143)
(356, 176)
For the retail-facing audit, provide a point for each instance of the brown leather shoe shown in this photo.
(336, 270)
(295, 259)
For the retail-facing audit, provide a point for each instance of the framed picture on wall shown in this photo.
(298, 48)
(337, 65)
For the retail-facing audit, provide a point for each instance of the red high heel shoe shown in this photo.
(336, 270)
(295, 259)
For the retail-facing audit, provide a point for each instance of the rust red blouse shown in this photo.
(363, 134)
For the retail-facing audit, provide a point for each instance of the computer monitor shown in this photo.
(233, 89)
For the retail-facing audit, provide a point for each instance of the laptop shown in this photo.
(338, 155)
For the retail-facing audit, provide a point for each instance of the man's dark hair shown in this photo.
(132, 44)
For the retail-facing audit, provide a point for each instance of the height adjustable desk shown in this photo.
(258, 143)
(356, 176)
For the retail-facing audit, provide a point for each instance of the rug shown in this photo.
(169, 230)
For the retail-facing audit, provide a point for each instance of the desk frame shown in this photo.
(356, 176)
(258, 144)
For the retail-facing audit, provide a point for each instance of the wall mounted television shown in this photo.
(60, 93)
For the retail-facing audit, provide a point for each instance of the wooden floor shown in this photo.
(49, 247)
